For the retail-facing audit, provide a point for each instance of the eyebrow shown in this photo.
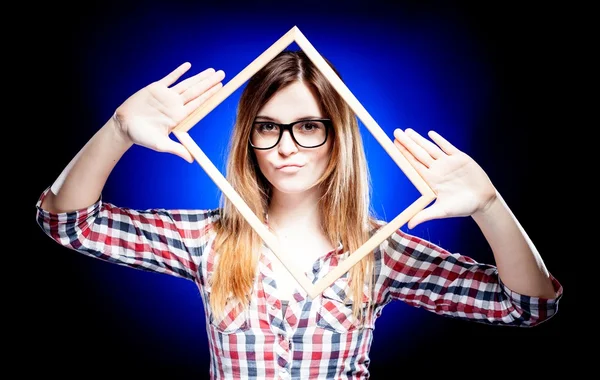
(267, 118)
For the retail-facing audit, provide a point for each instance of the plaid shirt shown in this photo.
(316, 338)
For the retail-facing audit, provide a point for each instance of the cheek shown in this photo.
(322, 159)
(324, 155)
(262, 158)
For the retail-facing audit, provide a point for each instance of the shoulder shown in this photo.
(194, 217)
(186, 219)
(199, 215)
(397, 239)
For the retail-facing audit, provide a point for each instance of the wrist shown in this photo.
(490, 208)
(117, 135)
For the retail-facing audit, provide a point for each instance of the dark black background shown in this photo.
(534, 48)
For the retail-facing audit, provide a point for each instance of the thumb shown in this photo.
(173, 147)
(429, 213)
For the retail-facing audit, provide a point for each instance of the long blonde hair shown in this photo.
(345, 204)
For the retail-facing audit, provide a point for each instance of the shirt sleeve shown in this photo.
(425, 275)
(156, 240)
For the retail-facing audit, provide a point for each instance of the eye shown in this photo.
(266, 127)
(311, 126)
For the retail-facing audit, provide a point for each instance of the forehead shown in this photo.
(291, 103)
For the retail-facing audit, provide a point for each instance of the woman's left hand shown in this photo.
(461, 186)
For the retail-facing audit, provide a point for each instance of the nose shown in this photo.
(287, 145)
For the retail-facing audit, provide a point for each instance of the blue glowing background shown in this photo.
(424, 67)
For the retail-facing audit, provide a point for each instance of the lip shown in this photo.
(290, 168)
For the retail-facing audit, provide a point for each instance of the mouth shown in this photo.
(290, 166)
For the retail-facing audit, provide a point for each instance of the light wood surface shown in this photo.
(427, 194)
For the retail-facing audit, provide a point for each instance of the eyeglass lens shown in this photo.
(306, 133)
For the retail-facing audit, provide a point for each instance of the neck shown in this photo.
(291, 211)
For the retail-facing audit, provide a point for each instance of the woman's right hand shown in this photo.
(147, 117)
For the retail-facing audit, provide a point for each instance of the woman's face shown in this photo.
(289, 167)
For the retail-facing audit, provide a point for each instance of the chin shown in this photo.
(293, 187)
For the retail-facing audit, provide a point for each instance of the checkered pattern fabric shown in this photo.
(316, 338)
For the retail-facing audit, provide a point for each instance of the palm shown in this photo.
(460, 184)
(152, 113)
(148, 116)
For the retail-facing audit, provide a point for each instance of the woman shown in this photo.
(297, 160)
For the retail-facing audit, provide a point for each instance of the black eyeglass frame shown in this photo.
(288, 127)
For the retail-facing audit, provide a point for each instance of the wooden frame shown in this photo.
(181, 132)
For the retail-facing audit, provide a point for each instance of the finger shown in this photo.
(174, 75)
(169, 146)
(200, 88)
(411, 159)
(444, 144)
(189, 82)
(191, 106)
(433, 150)
(415, 149)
